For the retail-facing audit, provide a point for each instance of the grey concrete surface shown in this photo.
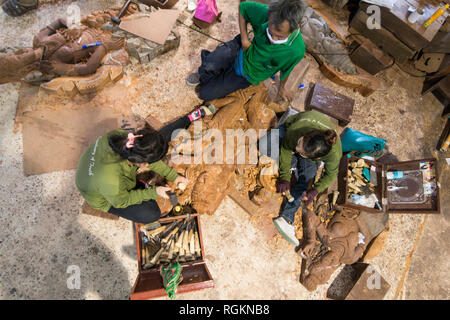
(43, 233)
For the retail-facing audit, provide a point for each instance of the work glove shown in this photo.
(310, 195)
(283, 186)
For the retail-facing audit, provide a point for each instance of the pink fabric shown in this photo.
(206, 10)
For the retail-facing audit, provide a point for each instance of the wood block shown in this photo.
(87, 209)
(153, 122)
(384, 39)
(331, 103)
(296, 76)
(368, 57)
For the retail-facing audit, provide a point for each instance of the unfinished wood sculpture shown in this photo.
(83, 85)
(208, 182)
(328, 244)
(58, 55)
(331, 53)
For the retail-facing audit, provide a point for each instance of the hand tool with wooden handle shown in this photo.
(180, 233)
(198, 250)
(165, 238)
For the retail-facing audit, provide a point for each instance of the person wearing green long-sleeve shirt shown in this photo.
(106, 172)
(309, 137)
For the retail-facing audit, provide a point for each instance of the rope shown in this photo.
(172, 277)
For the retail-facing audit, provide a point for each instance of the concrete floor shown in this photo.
(43, 233)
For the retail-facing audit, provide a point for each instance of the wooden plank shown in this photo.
(153, 122)
(244, 202)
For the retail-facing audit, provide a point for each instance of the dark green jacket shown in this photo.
(263, 59)
(296, 127)
(105, 179)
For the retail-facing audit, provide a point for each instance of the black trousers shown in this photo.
(217, 76)
(148, 211)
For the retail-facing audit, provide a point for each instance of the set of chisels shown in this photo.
(176, 241)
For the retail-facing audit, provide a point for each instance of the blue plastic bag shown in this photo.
(361, 144)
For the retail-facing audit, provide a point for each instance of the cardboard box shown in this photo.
(431, 204)
(195, 273)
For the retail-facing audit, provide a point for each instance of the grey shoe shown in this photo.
(286, 230)
(193, 79)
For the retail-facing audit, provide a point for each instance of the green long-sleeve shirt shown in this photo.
(296, 127)
(105, 179)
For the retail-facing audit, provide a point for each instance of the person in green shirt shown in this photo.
(106, 172)
(277, 45)
(307, 138)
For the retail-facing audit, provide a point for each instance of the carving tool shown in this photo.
(116, 19)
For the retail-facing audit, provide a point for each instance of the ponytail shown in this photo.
(330, 137)
(150, 147)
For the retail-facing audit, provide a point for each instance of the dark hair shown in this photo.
(319, 143)
(151, 147)
(290, 10)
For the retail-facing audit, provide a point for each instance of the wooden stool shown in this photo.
(87, 209)
(331, 103)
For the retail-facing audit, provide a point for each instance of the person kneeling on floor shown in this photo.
(106, 172)
(277, 45)
(307, 138)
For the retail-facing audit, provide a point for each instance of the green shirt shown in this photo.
(105, 179)
(296, 127)
(263, 59)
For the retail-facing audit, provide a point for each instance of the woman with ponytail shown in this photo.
(106, 173)
(307, 138)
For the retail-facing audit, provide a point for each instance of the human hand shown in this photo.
(181, 182)
(307, 249)
(245, 43)
(283, 186)
(162, 191)
(309, 196)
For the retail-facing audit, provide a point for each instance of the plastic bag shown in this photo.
(206, 11)
(361, 144)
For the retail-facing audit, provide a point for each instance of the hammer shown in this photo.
(115, 19)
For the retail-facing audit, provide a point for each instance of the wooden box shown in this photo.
(149, 282)
(431, 205)
(358, 282)
(331, 103)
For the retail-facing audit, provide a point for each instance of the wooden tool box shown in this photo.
(431, 205)
(149, 282)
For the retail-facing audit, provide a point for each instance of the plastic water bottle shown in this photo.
(394, 175)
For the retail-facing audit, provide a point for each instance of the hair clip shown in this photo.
(130, 141)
